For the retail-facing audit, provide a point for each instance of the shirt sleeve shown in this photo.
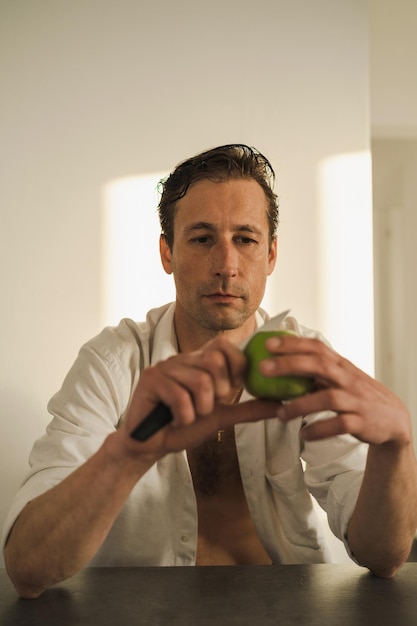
(333, 475)
(334, 467)
(86, 409)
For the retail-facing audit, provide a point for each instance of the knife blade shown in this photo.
(271, 324)
(161, 415)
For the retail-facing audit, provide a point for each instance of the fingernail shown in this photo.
(273, 343)
(267, 366)
(281, 412)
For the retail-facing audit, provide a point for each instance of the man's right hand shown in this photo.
(196, 387)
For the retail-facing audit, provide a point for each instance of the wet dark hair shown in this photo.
(229, 162)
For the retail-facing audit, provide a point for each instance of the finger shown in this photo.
(222, 361)
(197, 382)
(154, 387)
(250, 411)
(348, 423)
(328, 399)
(281, 344)
(233, 359)
(208, 371)
(327, 370)
(310, 356)
(224, 417)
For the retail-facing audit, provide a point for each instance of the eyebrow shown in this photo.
(211, 227)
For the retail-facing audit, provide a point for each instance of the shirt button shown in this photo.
(184, 538)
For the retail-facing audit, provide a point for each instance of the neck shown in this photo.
(191, 335)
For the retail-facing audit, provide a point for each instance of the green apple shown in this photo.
(278, 387)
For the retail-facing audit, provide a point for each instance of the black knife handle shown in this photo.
(157, 419)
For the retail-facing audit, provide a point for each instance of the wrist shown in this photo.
(389, 455)
(126, 455)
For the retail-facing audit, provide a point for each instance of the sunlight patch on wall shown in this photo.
(133, 278)
(346, 256)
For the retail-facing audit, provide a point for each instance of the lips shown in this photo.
(223, 298)
(221, 292)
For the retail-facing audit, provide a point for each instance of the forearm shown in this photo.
(384, 521)
(60, 531)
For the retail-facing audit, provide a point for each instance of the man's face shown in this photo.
(221, 255)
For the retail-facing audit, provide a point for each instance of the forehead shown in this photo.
(232, 201)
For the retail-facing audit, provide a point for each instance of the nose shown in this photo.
(224, 259)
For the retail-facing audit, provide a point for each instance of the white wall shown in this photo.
(393, 106)
(393, 75)
(395, 219)
(95, 90)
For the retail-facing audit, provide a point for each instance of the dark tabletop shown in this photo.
(317, 595)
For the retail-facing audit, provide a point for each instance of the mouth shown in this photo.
(223, 297)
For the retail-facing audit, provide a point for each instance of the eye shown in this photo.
(245, 239)
(201, 239)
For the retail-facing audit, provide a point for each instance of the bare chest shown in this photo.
(226, 532)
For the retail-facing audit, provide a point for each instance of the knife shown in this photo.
(161, 415)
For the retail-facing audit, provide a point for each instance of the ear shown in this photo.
(272, 256)
(165, 253)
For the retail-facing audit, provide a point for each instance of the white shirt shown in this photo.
(158, 523)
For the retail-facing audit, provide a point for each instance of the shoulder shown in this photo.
(130, 337)
(108, 365)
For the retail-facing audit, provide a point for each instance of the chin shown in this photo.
(224, 321)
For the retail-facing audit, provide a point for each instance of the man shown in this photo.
(223, 482)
